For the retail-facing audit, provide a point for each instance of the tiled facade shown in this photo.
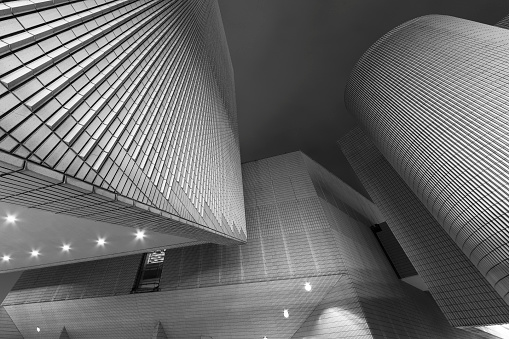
(461, 292)
(304, 225)
(123, 111)
(431, 95)
(8, 329)
(109, 108)
(504, 23)
(392, 309)
(402, 265)
(250, 310)
(93, 279)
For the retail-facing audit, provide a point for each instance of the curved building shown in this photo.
(432, 95)
(121, 112)
(464, 296)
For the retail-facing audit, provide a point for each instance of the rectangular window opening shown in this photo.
(149, 275)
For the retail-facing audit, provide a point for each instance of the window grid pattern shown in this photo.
(241, 311)
(35, 186)
(288, 234)
(7, 327)
(390, 307)
(240, 291)
(462, 293)
(135, 97)
(432, 94)
(92, 279)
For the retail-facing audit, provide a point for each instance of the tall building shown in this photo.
(464, 296)
(431, 96)
(310, 251)
(115, 116)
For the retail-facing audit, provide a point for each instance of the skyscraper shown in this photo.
(462, 293)
(431, 96)
(119, 112)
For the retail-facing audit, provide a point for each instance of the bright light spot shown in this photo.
(10, 219)
(286, 314)
(265, 337)
(66, 248)
(38, 329)
(6, 257)
(34, 253)
(140, 234)
(101, 241)
(307, 286)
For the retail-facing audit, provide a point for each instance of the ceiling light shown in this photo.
(38, 329)
(307, 286)
(140, 234)
(285, 313)
(66, 248)
(10, 219)
(6, 257)
(101, 241)
(34, 253)
(265, 337)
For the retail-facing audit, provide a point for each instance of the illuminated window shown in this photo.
(149, 275)
(156, 257)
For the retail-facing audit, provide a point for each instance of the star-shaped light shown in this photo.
(35, 253)
(10, 218)
(140, 234)
(6, 257)
(66, 247)
(101, 241)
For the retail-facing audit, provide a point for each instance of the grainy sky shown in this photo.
(292, 59)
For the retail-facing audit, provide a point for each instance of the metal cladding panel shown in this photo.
(133, 97)
(432, 95)
(460, 290)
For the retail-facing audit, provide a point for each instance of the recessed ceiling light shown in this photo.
(101, 241)
(38, 329)
(140, 234)
(286, 314)
(265, 337)
(66, 248)
(10, 219)
(307, 286)
(6, 257)
(34, 253)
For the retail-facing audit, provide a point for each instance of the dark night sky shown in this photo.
(292, 59)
